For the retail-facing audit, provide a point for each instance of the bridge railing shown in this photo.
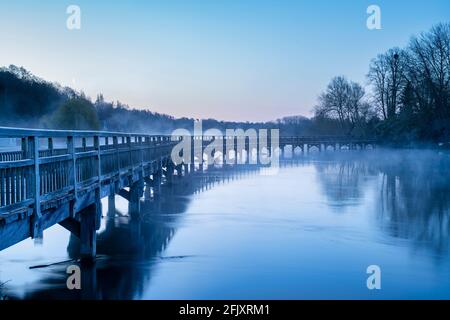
(50, 162)
(322, 139)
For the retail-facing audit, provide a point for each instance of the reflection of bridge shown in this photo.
(129, 249)
(59, 177)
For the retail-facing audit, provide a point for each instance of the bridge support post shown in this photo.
(134, 204)
(156, 184)
(112, 199)
(147, 188)
(112, 204)
(88, 234)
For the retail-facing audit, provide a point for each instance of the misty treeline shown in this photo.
(31, 102)
(408, 98)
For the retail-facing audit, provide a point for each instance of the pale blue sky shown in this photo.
(227, 59)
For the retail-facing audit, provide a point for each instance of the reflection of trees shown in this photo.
(129, 249)
(342, 178)
(414, 198)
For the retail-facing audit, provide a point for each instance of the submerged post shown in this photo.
(111, 202)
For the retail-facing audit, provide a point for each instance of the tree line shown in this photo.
(408, 98)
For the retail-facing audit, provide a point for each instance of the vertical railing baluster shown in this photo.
(43, 180)
(147, 148)
(57, 175)
(21, 188)
(33, 149)
(52, 172)
(24, 148)
(13, 185)
(48, 177)
(72, 172)
(2, 189)
(130, 160)
(49, 173)
(50, 147)
(64, 174)
(98, 190)
(97, 162)
(7, 186)
(116, 154)
(141, 154)
(48, 170)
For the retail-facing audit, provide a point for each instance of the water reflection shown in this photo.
(343, 179)
(128, 249)
(412, 196)
(358, 205)
(414, 199)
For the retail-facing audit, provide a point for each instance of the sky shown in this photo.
(240, 60)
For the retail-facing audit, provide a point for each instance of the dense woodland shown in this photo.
(406, 100)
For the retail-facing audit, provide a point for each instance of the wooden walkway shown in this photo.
(59, 177)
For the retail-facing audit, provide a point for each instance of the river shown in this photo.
(307, 232)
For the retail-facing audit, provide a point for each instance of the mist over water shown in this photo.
(309, 231)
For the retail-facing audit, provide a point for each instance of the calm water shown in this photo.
(309, 231)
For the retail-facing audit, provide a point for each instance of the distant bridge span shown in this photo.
(50, 177)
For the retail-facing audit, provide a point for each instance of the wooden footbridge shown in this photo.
(59, 177)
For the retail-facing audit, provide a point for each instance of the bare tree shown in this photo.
(333, 101)
(378, 76)
(354, 103)
(343, 100)
(387, 76)
(429, 70)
